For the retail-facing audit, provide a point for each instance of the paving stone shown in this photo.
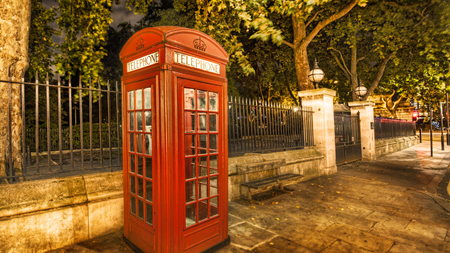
(431, 232)
(388, 220)
(403, 248)
(340, 216)
(248, 235)
(359, 238)
(340, 246)
(232, 249)
(108, 243)
(233, 220)
(281, 245)
(447, 238)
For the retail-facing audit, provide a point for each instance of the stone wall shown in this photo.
(389, 146)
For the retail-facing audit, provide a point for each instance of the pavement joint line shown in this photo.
(261, 243)
(240, 246)
(239, 223)
(408, 224)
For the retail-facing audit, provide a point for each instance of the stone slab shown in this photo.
(432, 232)
(248, 235)
(341, 246)
(105, 217)
(280, 245)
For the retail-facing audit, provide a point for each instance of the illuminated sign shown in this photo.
(143, 62)
(197, 63)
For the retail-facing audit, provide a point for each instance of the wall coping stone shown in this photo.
(315, 92)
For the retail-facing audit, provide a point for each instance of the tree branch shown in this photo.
(305, 42)
(378, 76)
(288, 44)
(342, 65)
(312, 19)
(289, 88)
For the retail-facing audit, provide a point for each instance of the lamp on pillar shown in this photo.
(361, 91)
(316, 74)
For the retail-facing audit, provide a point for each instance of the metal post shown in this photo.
(420, 134)
(431, 130)
(442, 128)
(446, 106)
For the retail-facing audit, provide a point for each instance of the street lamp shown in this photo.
(360, 90)
(316, 74)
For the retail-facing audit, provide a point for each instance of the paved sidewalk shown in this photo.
(395, 204)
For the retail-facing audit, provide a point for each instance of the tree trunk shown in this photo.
(14, 31)
(301, 55)
(354, 72)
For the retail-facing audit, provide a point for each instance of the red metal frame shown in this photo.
(167, 80)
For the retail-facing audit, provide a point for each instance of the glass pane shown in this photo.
(189, 122)
(201, 100)
(189, 99)
(139, 143)
(214, 207)
(148, 144)
(203, 166)
(213, 165)
(189, 143)
(147, 98)
(132, 164)
(138, 121)
(202, 122)
(190, 167)
(140, 187)
(191, 214)
(203, 188)
(131, 121)
(213, 102)
(131, 100)
(149, 190)
(190, 191)
(148, 121)
(213, 122)
(149, 214)
(213, 186)
(140, 165)
(140, 209)
(202, 144)
(138, 99)
(133, 205)
(148, 168)
(131, 142)
(212, 143)
(132, 184)
(202, 210)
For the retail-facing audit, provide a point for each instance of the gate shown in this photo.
(348, 138)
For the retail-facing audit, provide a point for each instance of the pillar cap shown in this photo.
(322, 91)
(361, 103)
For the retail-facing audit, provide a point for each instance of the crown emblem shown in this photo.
(140, 43)
(199, 44)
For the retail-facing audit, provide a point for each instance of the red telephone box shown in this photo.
(175, 154)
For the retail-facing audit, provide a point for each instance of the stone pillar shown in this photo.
(365, 109)
(321, 102)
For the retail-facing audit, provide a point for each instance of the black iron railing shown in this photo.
(260, 126)
(346, 129)
(392, 128)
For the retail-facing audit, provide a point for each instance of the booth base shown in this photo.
(214, 248)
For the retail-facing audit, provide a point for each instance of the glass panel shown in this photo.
(140, 165)
(202, 144)
(140, 187)
(201, 100)
(149, 190)
(148, 121)
(213, 186)
(149, 214)
(131, 121)
(203, 210)
(138, 99)
(212, 143)
(190, 167)
(214, 207)
(189, 143)
(213, 165)
(213, 122)
(203, 166)
(138, 121)
(147, 98)
(191, 214)
(139, 143)
(133, 205)
(132, 184)
(203, 188)
(132, 164)
(189, 122)
(213, 102)
(148, 144)
(189, 99)
(131, 100)
(202, 122)
(190, 191)
(140, 209)
(131, 142)
(148, 168)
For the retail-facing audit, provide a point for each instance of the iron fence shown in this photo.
(260, 126)
(50, 142)
(392, 128)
